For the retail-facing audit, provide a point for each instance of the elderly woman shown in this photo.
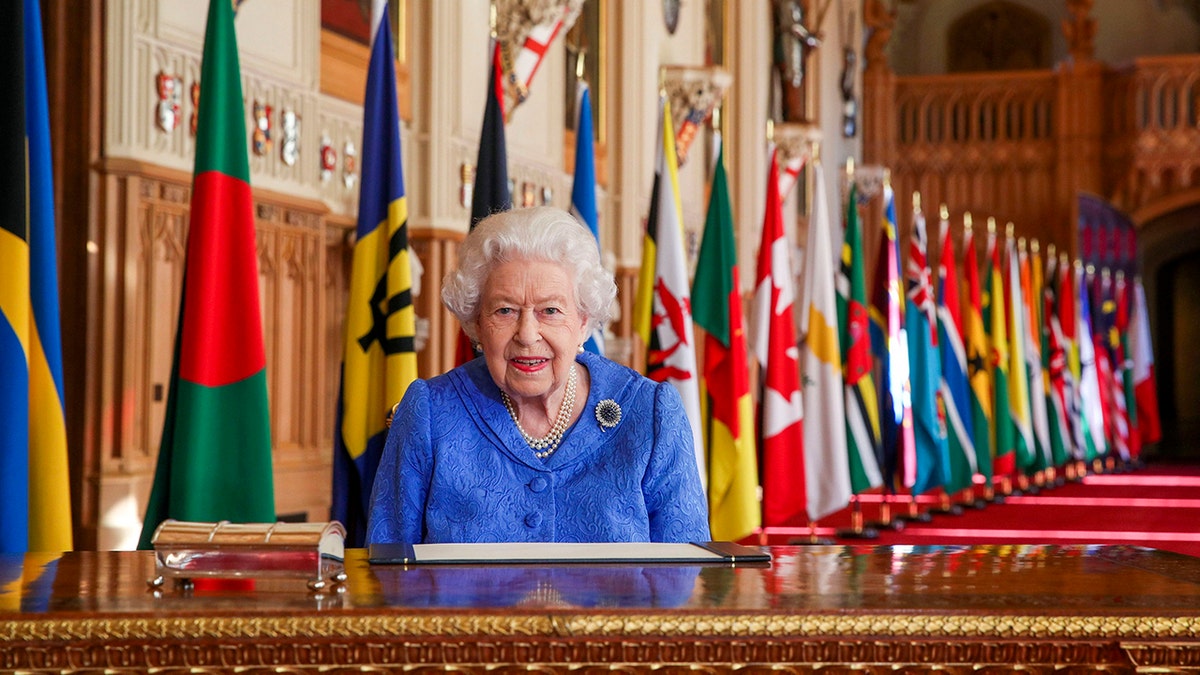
(537, 440)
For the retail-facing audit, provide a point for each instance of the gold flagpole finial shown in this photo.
(944, 212)
(1033, 246)
(991, 221)
(887, 177)
(1051, 251)
(967, 221)
(916, 201)
(850, 167)
(770, 130)
(1009, 230)
(716, 118)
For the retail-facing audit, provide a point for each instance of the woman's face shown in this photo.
(530, 328)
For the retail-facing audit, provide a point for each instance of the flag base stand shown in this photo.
(858, 530)
(1070, 472)
(990, 496)
(945, 507)
(1024, 486)
(886, 520)
(1007, 489)
(970, 500)
(812, 539)
(915, 515)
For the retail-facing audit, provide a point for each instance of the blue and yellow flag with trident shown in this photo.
(34, 486)
(379, 359)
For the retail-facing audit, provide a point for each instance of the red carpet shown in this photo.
(1156, 506)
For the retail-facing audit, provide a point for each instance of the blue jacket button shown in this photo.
(533, 519)
(538, 484)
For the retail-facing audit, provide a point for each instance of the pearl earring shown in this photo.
(580, 349)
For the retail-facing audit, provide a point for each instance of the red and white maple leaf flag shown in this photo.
(1145, 390)
(781, 414)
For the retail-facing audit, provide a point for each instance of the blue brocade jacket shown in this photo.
(456, 469)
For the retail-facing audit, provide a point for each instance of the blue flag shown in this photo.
(929, 431)
(379, 358)
(34, 484)
(583, 190)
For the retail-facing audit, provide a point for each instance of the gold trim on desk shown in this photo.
(945, 626)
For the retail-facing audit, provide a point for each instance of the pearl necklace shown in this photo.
(551, 440)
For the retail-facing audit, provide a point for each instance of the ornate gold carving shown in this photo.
(558, 655)
(609, 625)
(693, 91)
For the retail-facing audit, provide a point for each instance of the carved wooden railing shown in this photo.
(1021, 145)
(1152, 132)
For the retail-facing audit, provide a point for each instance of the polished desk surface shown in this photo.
(1102, 606)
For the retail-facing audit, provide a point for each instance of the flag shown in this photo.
(1129, 402)
(889, 344)
(996, 325)
(920, 317)
(1018, 376)
(490, 193)
(789, 174)
(1109, 364)
(528, 58)
(733, 509)
(862, 410)
(826, 469)
(34, 482)
(982, 422)
(663, 307)
(1066, 303)
(214, 462)
(782, 413)
(1054, 365)
(1142, 351)
(379, 358)
(583, 187)
(955, 389)
(1031, 293)
(1091, 399)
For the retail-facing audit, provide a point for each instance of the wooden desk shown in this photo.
(815, 608)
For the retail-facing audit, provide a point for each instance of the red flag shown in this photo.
(781, 414)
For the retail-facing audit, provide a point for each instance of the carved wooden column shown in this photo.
(1079, 124)
(879, 88)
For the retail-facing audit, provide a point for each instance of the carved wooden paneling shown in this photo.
(438, 252)
(983, 143)
(302, 286)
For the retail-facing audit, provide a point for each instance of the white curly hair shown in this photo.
(540, 233)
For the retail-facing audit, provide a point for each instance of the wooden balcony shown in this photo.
(1020, 145)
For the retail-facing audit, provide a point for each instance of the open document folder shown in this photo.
(555, 552)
